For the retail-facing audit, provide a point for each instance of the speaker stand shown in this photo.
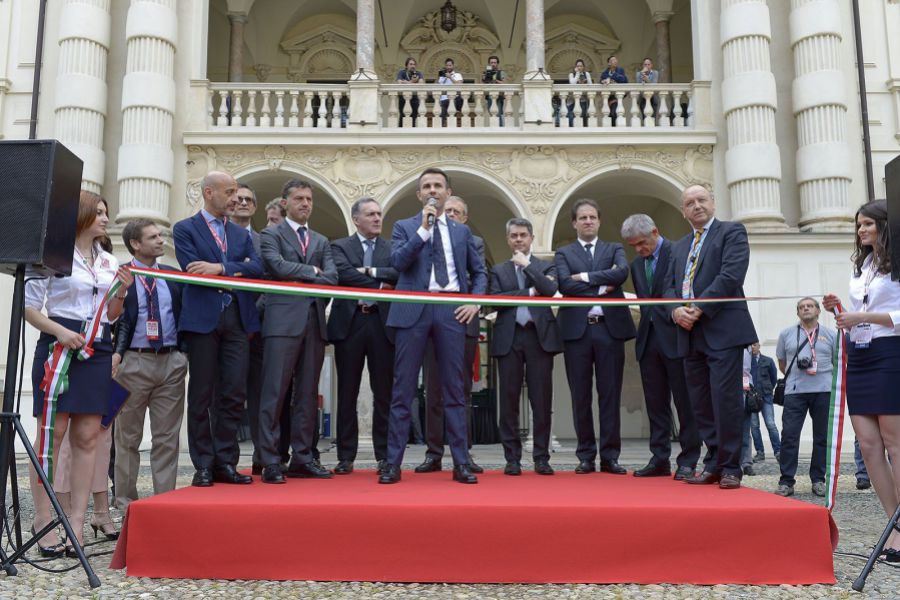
(10, 428)
(893, 523)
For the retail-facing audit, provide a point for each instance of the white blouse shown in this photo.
(73, 297)
(884, 297)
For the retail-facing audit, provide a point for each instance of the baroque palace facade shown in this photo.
(756, 100)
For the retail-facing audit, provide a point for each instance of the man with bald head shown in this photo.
(711, 262)
(215, 323)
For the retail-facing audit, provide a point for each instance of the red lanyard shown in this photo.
(220, 242)
(90, 269)
(813, 338)
(149, 289)
(304, 244)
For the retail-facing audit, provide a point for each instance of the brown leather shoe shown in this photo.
(704, 478)
(729, 482)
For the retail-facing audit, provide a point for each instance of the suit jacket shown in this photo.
(663, 326)
(618, 75)
(473, 329)
(768, 376)
(284, 261)
(254, 237)
(721, 267)
(541, 275)
(348, 255)
(411, 256)
(609, 267)
(199, 304)
(124, 326)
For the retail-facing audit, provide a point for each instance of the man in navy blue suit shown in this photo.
(432, 254)
(216, 323)
(711, 262)
(594, 337)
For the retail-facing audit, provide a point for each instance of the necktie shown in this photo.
(438, 258)
(648, 270)
(695, 247)
(590, 255)
(523, 315)
(367, 262)
(156, 316)
(301, 233)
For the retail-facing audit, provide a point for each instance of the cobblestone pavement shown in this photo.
(858, 515)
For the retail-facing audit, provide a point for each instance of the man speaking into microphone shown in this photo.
(432, 254)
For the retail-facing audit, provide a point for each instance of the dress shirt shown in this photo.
(425, 234)
(169, 329)
(884, 297)
(295, 225)
(453, 79)
(73, 297)
(596, 311)
(573, 77)
(249, 229)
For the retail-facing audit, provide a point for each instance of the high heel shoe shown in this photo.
(101, 523)
(55, 551)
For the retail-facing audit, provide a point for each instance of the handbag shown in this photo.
(753, 399)
(778, 392)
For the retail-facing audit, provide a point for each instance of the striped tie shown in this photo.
(695, 251)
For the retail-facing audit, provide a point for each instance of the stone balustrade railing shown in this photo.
(623, 105)
(432, 106)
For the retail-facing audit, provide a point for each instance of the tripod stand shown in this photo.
(10, 427)
(893, 523)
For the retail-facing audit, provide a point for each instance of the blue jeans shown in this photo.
(768, 414)
(861, 473)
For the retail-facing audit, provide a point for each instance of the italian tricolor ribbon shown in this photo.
(56, 379)
(836, 415)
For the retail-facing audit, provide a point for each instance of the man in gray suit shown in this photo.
(293, 335)
(647, 74)
(456, 209)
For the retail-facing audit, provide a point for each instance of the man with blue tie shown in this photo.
(594, 337)
(711, 262)
(662, 372)
(215, 323)
(432, 254)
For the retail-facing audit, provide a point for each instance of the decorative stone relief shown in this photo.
(326, 52)
(201, 160)
(469, 45)
(262, 72)
(571, 41)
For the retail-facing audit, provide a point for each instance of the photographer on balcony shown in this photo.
(613, 74)
(409, 75)
(494, 74)
(647, 74)
(447, 76)
(579, 76)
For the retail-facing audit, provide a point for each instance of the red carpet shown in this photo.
(597, 528)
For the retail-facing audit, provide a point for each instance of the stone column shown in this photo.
(365, 40)
(661, 13)
(81, 91)
(236, 47)
(146, 160)
(820, 106)
(753, 161)
(534, 39)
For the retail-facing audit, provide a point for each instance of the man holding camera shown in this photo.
(804, 353)
(648, 74)
(447, 76)
(409, 75)
(494, 74)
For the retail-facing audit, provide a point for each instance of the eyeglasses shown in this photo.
(247, 199)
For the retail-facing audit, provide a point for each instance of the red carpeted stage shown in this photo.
(568, 528)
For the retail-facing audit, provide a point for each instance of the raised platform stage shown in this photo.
(568, 528)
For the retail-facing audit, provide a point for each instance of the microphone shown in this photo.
(431, 202)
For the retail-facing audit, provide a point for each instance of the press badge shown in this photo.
(861, 336)
(812, 369)
(152, 330)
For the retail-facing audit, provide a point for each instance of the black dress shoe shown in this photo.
(429, 465)
(463, 474)
(381, 466)
(256, 469)
(228, 474)
(612, 466)
(542, 467)
(273, 474)
(390, 474)
(309, 470)
(704, 478)
(344, 467)
(513, 467)
(473, 467)
(683, 473)
(202, 478)
(585, 466)
(653, 470)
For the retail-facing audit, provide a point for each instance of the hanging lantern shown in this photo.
(448, 17)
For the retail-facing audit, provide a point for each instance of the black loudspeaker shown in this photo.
(40, 182)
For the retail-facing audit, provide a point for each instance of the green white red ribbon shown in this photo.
(56, 379)
(836, 416)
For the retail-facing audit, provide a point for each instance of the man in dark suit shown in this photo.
(524, 342)
(455, 208)
(433, 254)
(216, 323)
(293, 336)
(711, 262)
(148, 362)
(662, 372)
(359, 334)
(594, 337)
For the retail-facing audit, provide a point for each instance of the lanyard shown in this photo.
(304, 243)
(870, 276)
(149, 289)
(812, 338)
(90, 269)
(222, 242)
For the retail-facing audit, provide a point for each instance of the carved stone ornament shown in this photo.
(572, 41)
(325, 52)
(469, 45)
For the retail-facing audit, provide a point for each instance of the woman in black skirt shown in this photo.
(873, 357)
(69, 302)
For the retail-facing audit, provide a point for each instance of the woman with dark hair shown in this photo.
(70, 302)
(582, 76)
(873, 357)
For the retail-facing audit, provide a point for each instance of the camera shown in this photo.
(582, 77)
(442, 73)
(412, 75)
(490, 75)
(804, 362)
